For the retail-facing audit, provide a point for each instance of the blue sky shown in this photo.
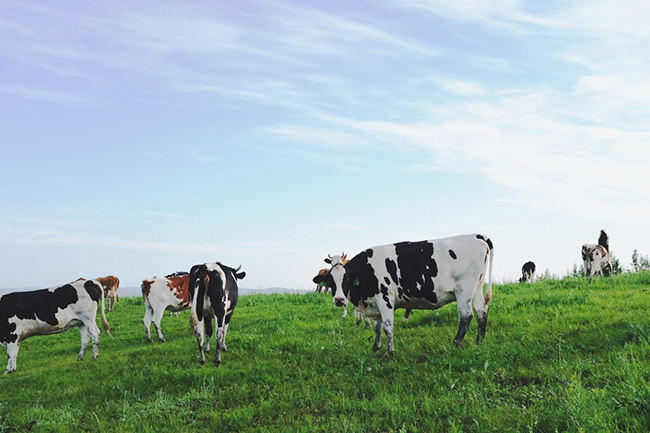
(140, 138)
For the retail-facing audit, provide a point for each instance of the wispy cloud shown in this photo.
(170, 215)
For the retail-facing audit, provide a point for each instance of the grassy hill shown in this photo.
(559, 355)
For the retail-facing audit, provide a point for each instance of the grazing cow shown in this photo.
(51, 311)
(596, 257)
(527, 272)
(160, 294)
(110, 284)
(418, 275)
(213, 293)
(321, 283)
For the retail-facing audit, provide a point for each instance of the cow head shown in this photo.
(336, 278)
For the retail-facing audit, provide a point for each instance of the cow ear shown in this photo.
(240, 276)
(318, 279)
(328, 261)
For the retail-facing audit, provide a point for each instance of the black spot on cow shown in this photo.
(452, 254)
(384, 295)
(38, 304)
(93, 290)
(387, 281)
(486, 240)
(370, 253)
(391, 267)
(359, 273)
(417, 269)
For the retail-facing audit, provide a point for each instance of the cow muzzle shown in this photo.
(340, 302)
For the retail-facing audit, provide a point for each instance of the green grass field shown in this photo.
(558, 356)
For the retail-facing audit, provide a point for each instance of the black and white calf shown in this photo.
(596, 258)
(418, 275)
(51, 311)
(213, 292)
(527, 273)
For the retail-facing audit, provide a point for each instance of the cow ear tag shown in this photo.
(356, 282)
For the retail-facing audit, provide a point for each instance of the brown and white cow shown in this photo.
(160, 294)
(597, 258)
(110, 284)
(321, 284)
(51, 311)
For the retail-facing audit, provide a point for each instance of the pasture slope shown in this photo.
(558, 356)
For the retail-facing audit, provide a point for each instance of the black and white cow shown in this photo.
(214, 292)
(418, 275)
(527, 272)
(51, 311)
(596, 258)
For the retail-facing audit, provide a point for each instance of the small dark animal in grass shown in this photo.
(527, 273)
(597, 258)
(418, 275)
(51, 311)
(213, 294)
(160, 294)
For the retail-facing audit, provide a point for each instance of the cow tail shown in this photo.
(105, 324)
(194, 318)
(488, 294)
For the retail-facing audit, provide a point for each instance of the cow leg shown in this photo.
(157, 317)
(406, 316)
(198, 330)
(111, 302)
(94, 336)
(217, 352)
(387, 324)
(377, 344)
(481, 308)
(345, 310)
(465, 318)
(85, 338)
(359, 318)
(12, 355)
(208, 335)
(148, 316)
(225, 331)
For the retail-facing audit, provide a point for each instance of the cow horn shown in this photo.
(238, 269)
(329, 257)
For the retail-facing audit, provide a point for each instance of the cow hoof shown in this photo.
(162, 340)
(80, 358)
(376, 347)
(217, 363)
(8, 372)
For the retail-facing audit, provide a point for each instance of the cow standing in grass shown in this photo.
(418, 275)
(110, 284)
(160, 294)
(213, 293)
(527, 273)
(51, 311)
(596, 258)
